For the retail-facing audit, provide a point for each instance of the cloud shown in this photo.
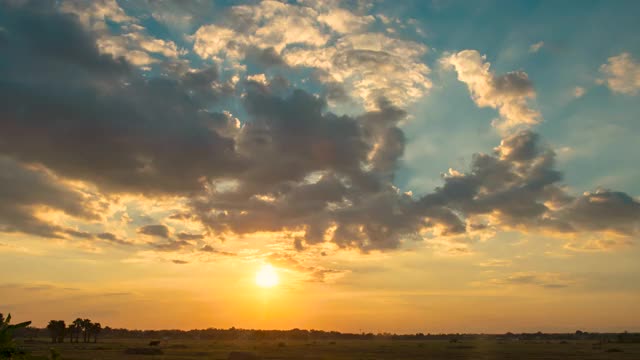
(510, 93)
(544, 280)
(188, 236)
(25, 190)
(496, 263)
(157, 230)
(312, 273)
(358, 207)
(343, 21)
(607, 242)
(370, 65)
(518, 188)
(126, 125)
(604, 210)
(209, 249)
(534, 48)
(622, 74)
(94, 14)
(113, 238)
(133, 43)
(579, 92)
(270, 24)
(172, 245)
(73, 118)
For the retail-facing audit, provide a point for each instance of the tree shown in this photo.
(95, 330)
(86, 327)
(77, 328)
(8, 350)
(71, 329)
(52, 330)
(57, 329)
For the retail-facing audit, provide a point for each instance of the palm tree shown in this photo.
(86, 327)
(52, 330)
(71, 329)
(56, 329)
(77, 323)
(95, 330)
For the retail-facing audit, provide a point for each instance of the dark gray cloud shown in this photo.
(112, 238)
(515, 83)
(171, 245)
(351, 161)
(158, 230)
(210, 249)
(264, 57)
(189, 236)
(74, 110)
(23, 190)
(603, 210)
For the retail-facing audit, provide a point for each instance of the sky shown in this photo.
(416, 166)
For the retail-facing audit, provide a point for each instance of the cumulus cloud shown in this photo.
(622, 74)
(134, 43)
(125, 125)
(72, 114)
(93, 14)
(24, 190)
(510, 93)
(344, 21)
(370, 65)
(271, 24)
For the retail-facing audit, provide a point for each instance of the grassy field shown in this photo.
(358, 349)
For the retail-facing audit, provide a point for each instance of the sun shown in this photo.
(267, 276)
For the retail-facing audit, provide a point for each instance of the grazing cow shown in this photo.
(154, 343)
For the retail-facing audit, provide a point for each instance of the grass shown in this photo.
(338, 350)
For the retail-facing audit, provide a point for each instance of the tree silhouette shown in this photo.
(77, 328)
(95, 330)
(86, 327)
(70, 329)
(57, 329)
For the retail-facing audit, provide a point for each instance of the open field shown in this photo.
(340, 349)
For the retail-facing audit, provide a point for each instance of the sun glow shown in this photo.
(267, 277)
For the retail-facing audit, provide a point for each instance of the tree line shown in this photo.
(58, 330)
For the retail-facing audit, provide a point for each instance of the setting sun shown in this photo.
(267, 277)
